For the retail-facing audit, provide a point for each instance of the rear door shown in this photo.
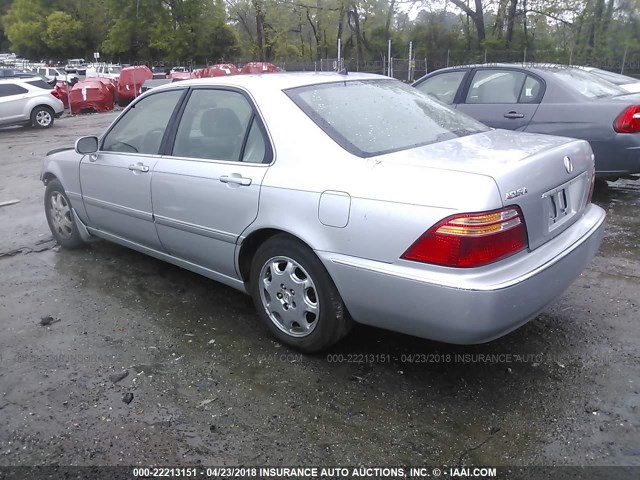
(502, 98)
(12, 103)
(206, 188)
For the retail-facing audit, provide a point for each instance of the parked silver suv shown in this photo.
(28, 101)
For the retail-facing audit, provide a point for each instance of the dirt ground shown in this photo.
(211, 387)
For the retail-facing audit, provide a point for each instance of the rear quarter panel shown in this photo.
(591, 121)
(390, 205)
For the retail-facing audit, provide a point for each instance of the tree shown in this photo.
(62, 33)
(477, 16)
(25, 23)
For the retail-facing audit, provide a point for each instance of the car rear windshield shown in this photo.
(40, 84)
(373, 117)
(588, 84)
(612, 77)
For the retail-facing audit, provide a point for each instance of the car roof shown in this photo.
(20, 79)
(276, 81)
(525, 66)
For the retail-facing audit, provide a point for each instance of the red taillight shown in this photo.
(628, 121)
(56, 94)
(471, 239)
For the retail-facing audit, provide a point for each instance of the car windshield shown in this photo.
(587, 83)
(374, 117)
(114, 69)
(612, 77)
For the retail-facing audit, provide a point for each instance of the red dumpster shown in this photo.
(111, 85)
(90, 96)
(175, 76)
(130, 83)
(259, 67)
(219, 70)
(63, 90)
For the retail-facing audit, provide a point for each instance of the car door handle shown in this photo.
(138, 167)
(513, 115)
(236, 179)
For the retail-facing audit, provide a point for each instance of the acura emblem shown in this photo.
(568, 166)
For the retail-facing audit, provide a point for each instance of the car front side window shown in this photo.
(142, 127)
(443, 86)
(215, 126)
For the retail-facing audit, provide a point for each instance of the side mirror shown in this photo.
(87, 145)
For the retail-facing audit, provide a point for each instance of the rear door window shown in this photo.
(495, 86)
(220, 125)
(532, 91)
(10, 89)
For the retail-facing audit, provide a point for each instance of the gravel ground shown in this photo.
(205, 384)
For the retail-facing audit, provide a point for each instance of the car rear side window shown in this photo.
(142, 127)
(10, 89)
(443, 86)
(495, 86)
(373, 117)
(40, 84)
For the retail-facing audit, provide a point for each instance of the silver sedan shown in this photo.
(335, 198)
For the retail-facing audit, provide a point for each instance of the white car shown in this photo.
(630, 84)
(104, 71)
(56, 73)
(28, 101)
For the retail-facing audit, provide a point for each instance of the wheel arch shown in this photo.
(43, 105)
(253, 241)
(47, 177)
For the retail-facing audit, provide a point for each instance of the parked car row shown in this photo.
(552, 99)
(56, 74)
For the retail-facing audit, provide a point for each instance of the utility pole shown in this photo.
(409, 68)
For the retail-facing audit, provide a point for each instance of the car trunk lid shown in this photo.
(548, 177)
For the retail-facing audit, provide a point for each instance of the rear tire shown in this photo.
(42, 117)
(295, 295)
(60, 218)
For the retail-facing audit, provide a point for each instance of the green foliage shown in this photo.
(585, 31)
(62, 34)
(24, 23)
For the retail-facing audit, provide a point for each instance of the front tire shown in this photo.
(60, 217)
(42, 117)
(295, 295)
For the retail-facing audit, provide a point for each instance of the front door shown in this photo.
(116, 181)
(206, 190)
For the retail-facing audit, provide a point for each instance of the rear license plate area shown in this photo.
(563, 202)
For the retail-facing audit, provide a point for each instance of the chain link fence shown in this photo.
(410, 70)
(407, 70)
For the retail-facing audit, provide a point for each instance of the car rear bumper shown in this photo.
(466, 306)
